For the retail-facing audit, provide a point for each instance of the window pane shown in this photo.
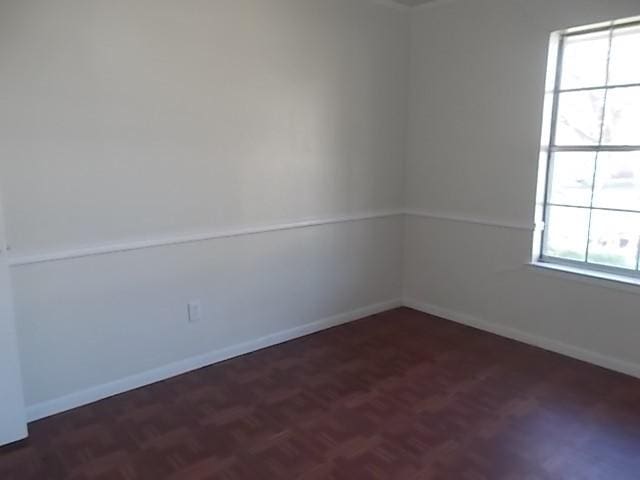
(584, 60)
(613, 239)
(579, 118)
(622, 117)
(566, 232)
(625, 50)
(618, 181)
(571, 178)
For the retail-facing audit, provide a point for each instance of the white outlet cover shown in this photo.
(194, 310)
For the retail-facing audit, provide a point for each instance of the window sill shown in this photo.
(590, 277)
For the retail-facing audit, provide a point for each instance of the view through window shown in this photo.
(592, 196)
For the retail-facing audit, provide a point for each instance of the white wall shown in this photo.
(477, 84)
(131, 121)
(94, 320)
(125, 121)
(13, 425)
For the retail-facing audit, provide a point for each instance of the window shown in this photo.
(590, 180)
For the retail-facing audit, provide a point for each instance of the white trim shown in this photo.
(400, 6)
(99, 392)
(21, 260)
(586, 276)
(89, 251)
(432, 4)
(466, 219)
(545, 343)
(392, 4)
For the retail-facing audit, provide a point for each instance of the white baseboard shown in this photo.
(99, 392)
(545, 343)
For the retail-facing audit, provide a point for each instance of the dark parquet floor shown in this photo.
(399, 395)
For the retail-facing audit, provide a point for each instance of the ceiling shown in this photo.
(412, 3)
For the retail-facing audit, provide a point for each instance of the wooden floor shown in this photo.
(400, 395)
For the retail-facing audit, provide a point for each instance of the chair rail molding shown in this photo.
(451, 217)
(178, 239)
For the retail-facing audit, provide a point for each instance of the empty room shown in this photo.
(319, 239)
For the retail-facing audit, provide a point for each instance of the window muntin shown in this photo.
(591, 207)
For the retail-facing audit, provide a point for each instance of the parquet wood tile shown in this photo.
(399, 395)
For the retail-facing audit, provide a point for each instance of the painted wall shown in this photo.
(477, 85)
(125, 121)
(13, 425)
(95, 320)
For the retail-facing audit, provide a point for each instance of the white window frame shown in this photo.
(553, 91)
